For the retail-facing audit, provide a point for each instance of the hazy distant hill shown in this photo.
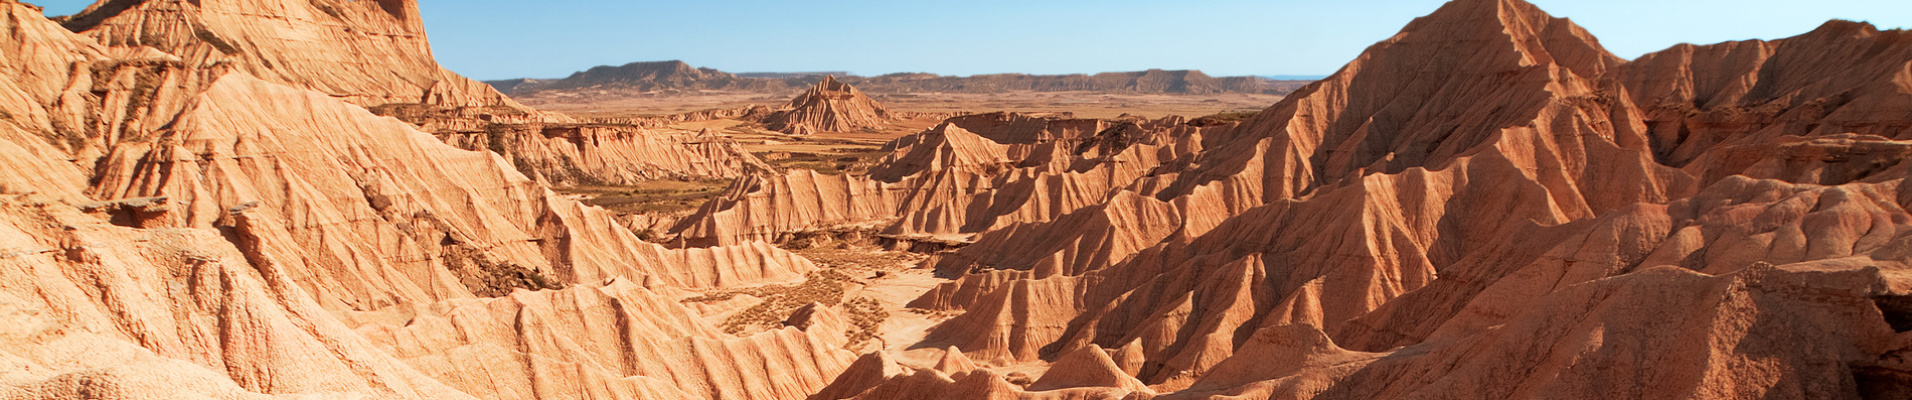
(645, 77)
(788, 75)
(678, 76)
(1150, 81)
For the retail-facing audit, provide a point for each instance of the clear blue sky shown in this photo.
(496, 39)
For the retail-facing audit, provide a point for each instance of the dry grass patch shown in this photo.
(823, 287)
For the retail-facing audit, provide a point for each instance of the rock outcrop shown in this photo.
(947, 182)
(375, 54)
(1481, 205)
(366, 52)
(829, 106)
(185, 219)
(1487, 204)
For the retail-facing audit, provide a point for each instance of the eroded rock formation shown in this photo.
(188, 220)
(1477, 205)
(1487, 204)
(375, 54)
(829, 106)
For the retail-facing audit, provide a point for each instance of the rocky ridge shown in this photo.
(1487, 204)
(1487, 191)
(191, 219)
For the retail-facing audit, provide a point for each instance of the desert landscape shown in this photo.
(293, 199)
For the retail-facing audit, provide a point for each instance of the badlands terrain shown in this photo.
(260, 199)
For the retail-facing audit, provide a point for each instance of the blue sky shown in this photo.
(496, 39)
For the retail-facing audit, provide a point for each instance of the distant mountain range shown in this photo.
(678, 76)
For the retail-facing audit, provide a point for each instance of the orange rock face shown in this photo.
(189, 220)
(206, 199)
(830, 106)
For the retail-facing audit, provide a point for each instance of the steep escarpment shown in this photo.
(376, 54)
(469, 224)
(367, 52)
(186, 219)
(1487, 204)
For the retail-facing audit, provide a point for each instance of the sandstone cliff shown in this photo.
(645, 77)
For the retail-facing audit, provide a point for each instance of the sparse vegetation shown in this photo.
(217, 42)
(486, 277)
(840, 265)
(823, 287)
(851, 259)
(1224, 118)
(1019, 379)
(842, 160)
(660, 196)
(866, 318)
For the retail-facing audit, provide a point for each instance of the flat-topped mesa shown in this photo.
(830, 106)
(645, 76)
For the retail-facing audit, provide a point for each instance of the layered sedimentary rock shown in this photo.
(102, 311)
(829, 106)
(1489, 204)
(949, 182)
(367, 52)
(614, 341)
(589, 154)
(375, 54)
(219, 227)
